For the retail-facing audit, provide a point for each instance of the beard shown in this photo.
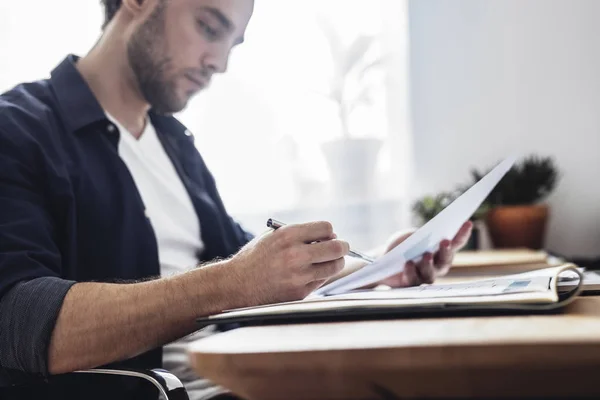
(146, 52)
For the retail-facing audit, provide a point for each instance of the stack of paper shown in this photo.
(488, 263)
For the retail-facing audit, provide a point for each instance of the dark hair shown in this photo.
(110, 9)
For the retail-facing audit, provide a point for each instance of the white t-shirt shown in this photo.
(168, 204)
(177, 231)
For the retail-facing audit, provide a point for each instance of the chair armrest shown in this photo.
(167, 384)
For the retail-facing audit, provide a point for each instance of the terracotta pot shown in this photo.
(518, 226)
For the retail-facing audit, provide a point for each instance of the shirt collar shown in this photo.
(78, 105)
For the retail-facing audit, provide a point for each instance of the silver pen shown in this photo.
(274, 224)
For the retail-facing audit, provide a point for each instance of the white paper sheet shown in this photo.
(425, 240)
(470, 289)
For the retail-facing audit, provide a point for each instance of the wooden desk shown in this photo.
(475, 357)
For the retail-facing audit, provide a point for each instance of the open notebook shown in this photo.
(527, 292)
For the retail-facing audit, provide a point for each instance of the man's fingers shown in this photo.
(309, 232)
(328, 250)
(445, 255)
(462, 237)
(426, 270)
(326, 270)
(315, 285)
(410, 275)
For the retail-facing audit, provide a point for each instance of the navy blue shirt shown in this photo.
(70, 210)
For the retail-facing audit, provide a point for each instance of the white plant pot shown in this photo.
(352, 165)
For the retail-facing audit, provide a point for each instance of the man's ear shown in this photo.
(136, 7)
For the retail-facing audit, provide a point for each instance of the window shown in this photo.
(262, 126)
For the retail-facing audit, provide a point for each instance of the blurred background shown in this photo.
(355, 110)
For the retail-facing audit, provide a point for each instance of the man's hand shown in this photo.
(432, 265)
(100, 323)
(288, 263)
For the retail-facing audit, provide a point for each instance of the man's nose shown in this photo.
(217, 60)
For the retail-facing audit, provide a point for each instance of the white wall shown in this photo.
(491, 77)
(36, 35)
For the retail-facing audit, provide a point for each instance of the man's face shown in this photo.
(174, 52)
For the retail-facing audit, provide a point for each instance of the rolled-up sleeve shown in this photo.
(28, 313)
(31, 288)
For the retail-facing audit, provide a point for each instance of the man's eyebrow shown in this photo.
(215, 12)
(226, 22)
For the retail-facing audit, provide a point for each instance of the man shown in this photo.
(107, 209)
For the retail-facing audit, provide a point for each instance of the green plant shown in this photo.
(352, 63)
(529, 181)
(480, 212)
(427, 207)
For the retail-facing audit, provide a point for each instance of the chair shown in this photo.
(168, 385)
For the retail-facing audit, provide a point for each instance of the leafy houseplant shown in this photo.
(427, 207)
(351, 160)
(517, 216)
